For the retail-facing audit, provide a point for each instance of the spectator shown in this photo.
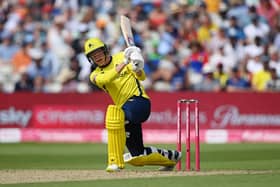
(218, 40)
(256, 28)
(197, 58)
(237, 82)
(221, 75)
(254, 63)
(36, 68)
(240, 11)
(208, 83)
(24, 84)
(7, 48)
(261, 78)
(21, 60)
(234, 30)
(194, 62)
(188, 31)
(268, 9)
(251, 50)
(58, 39)
(77, 45)
(166, 42)
(213, 8)
(274, 60)
(228, 60)
(235, 49)
(50, 62)
(206, 30)
(274, 83)
(178, 81)
(163, 75)
(39, 84)
(70, 78)
(157, 17)
(102, 30)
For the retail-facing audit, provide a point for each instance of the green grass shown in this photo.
(52, 156)
(197, 181)
(93, 156)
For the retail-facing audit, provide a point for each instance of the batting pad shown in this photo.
(151, 159)
(116, 135)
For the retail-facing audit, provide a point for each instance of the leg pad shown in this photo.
(116, 135)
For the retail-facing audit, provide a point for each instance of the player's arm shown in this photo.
(101, 79)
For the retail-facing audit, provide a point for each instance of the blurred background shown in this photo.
(223, 52)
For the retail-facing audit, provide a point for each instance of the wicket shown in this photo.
(188, 103)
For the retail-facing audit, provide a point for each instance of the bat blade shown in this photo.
(126, 30)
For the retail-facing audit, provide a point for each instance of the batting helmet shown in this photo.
(93, 44)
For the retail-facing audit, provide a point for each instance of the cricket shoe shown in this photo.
(113, 168)
(134, 160)
(176, 158)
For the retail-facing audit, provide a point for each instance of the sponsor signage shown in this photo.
(217, 110)
(12, 116)
(68, 116)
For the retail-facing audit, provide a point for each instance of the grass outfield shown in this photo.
(33, 164)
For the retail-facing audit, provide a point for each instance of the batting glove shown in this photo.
(137, 61)
(129, 50)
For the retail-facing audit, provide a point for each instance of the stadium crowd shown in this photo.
(195, 45)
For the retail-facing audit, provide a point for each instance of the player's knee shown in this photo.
(114, 117)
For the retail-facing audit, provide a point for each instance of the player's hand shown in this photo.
(129, 50)
(135, 67)
(137, 61)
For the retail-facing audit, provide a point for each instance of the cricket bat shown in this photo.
(127, 31)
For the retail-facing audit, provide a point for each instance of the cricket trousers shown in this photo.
(137, 109)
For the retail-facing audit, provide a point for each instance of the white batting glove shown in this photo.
(129, 50)
(135, 67)
(137, 61)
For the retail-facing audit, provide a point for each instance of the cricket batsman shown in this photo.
(119, 75)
